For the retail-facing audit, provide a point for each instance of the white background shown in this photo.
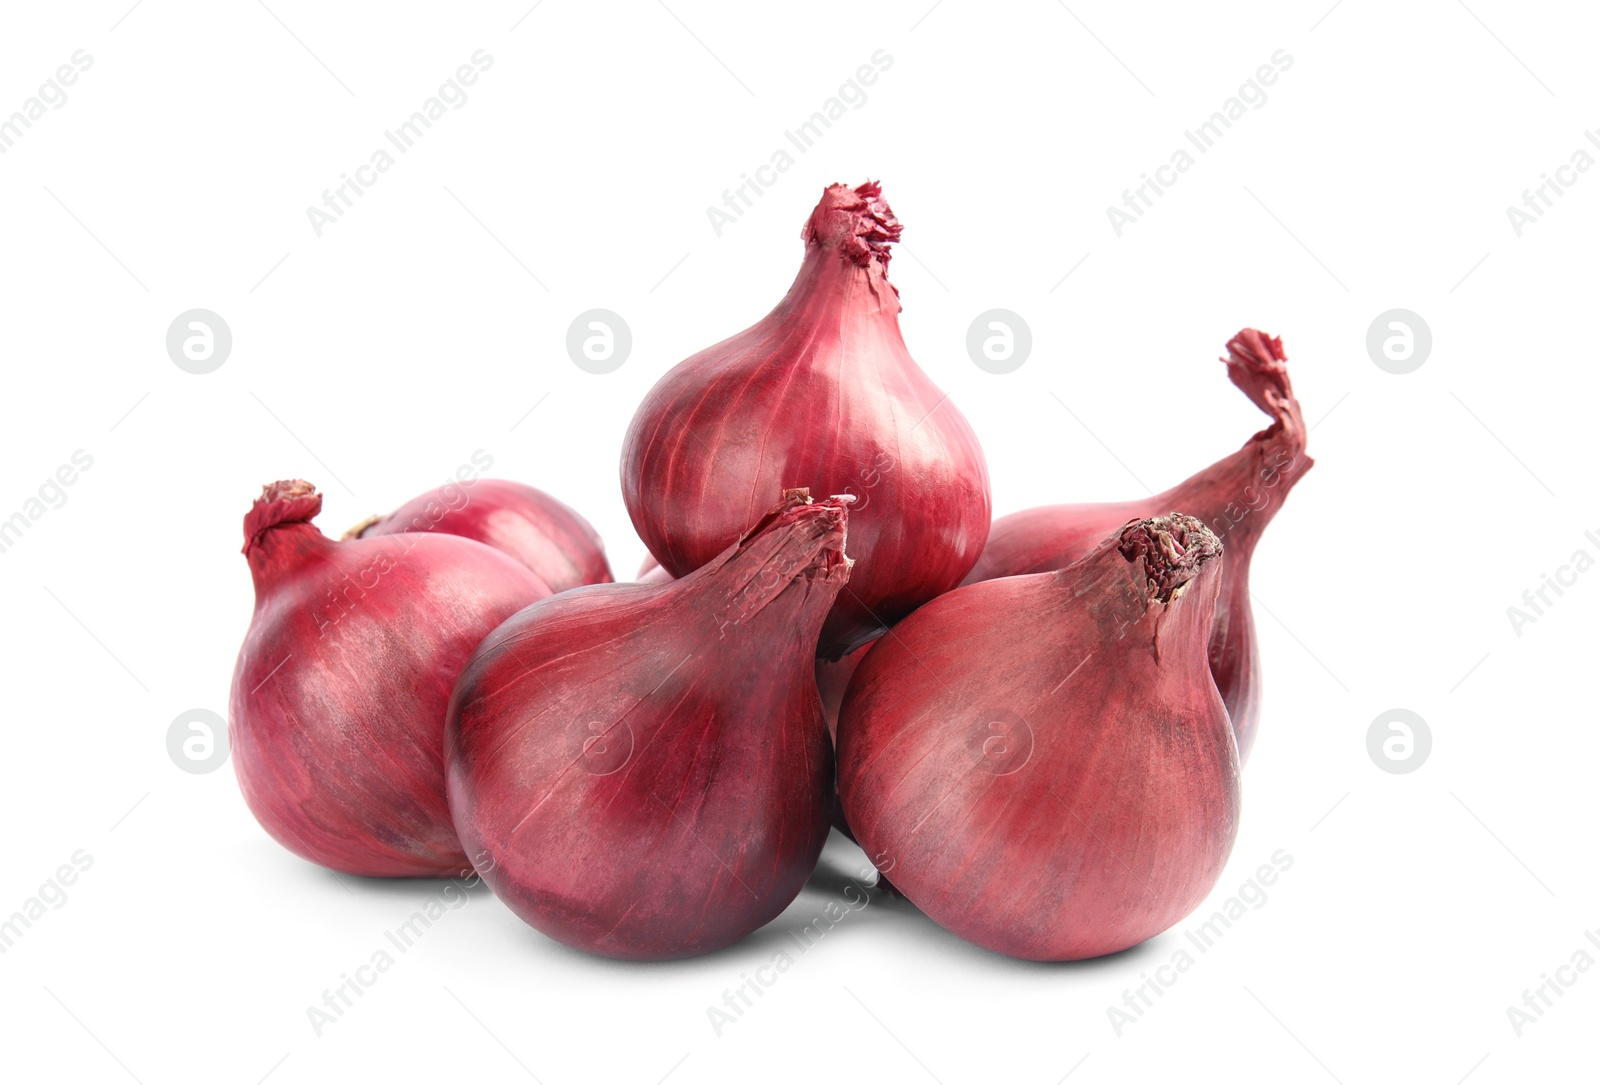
(430, 319)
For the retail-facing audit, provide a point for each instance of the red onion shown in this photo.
(822, 392)
(641, 770)
(1042, 763)
(339, 696)
(548, 537)
(1237, 497)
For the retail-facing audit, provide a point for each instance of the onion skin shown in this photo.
(548, 537)
(1042, 763)
(641, 771)
(833, 678)
(1237, 497)
(821, 393)
(336, 717)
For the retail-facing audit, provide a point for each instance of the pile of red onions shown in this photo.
(1034, 728)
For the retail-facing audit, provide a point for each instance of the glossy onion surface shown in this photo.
(1237, 497)
(642, 770)
(551, 539)
(1042, 763)
(336, 718)
(820, 393)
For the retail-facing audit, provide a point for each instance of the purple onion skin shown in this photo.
(548, 537)
(1042, 763)
(1237, 497)
(641, 771)
(833, 679)
(821, 393)
(336, 716)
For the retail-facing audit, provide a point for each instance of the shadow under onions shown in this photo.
(836, 875)
(838, 880)
(413, 889)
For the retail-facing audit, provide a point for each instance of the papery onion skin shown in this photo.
(548, 537)
(641, 771)
(1237, 497)
(1042, 763)
(336, 716)
(821, 393)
